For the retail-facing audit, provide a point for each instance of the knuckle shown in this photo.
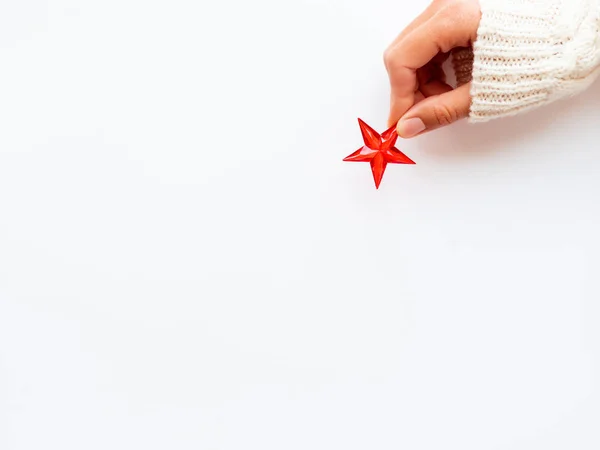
(443, 31)
(456, 22)
(444, 115)
(390, 58)
(387, 57)
(458, 6)
(463, 12)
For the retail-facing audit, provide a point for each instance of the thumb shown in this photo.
(435, 112)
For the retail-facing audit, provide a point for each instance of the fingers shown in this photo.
(433, 7)
(435, 112)
(452, 24)
(419, 97)
(434, 87)
(438, 35)
(445, 31)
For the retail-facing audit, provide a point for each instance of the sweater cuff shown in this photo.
(532, 52)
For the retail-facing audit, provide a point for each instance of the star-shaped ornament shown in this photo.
(379, 151)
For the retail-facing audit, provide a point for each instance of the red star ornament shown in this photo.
(378, 150)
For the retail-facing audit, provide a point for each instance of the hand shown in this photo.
(420, 98)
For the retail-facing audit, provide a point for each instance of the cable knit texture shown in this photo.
(529, 53)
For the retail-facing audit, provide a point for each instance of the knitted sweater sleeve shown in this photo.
(531, 52)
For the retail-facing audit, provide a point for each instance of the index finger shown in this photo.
(421, 18)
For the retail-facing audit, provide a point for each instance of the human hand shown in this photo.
(421, 100)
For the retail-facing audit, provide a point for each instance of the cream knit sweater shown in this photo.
(529, 53)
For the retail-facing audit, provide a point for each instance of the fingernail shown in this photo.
(410, 127)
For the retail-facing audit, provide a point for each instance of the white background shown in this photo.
(186, 262)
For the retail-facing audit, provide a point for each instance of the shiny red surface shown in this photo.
(379, 151)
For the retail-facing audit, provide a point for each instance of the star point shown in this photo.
(379, 151)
